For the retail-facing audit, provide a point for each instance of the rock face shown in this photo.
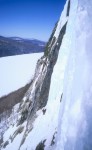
(36, 97)
(55, 112)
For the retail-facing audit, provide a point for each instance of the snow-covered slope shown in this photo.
(16, 71)
(61, 120)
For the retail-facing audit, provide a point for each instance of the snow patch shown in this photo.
(16, 71)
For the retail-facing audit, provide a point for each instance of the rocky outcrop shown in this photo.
(68, 9)
(37, 95)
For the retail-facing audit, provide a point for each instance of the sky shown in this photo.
(29, 18)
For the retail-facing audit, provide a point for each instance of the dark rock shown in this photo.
(39, 96)
(44, 111)
(5, 144)
(68, 8)
(61, 97)
(41, 145)
(39, 90)
(53, 139)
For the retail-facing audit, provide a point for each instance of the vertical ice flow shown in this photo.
(75, 119)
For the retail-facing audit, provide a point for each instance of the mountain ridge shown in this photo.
(10, 46)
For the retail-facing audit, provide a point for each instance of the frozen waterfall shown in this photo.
(75, 118)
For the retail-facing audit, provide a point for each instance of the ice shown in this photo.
(74, 130)
(70, 116)
(16, 71)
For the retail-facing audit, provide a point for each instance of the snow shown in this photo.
(72, 117)
(63, 19)
(8, 121)
(17, 141)
(74, 66)
(46, 125)
(16, 71)
(9, 132)
(16, 38)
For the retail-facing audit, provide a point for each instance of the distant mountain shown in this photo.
(15, 45)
